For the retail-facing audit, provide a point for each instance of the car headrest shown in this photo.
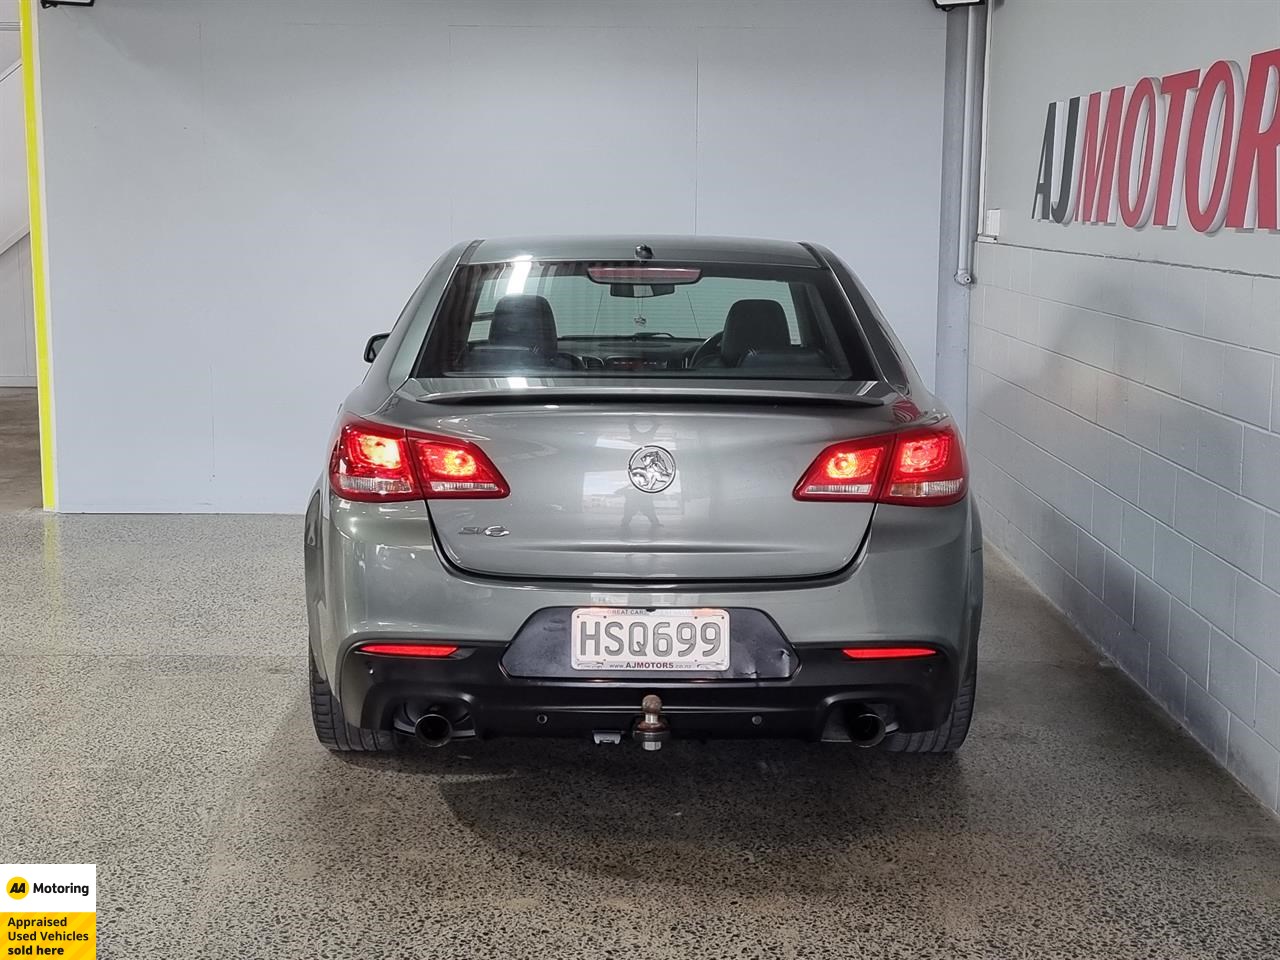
(524, 320)
(753, 325)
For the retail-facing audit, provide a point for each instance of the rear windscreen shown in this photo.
(685, 320)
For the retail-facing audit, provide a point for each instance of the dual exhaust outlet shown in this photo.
(865, 727)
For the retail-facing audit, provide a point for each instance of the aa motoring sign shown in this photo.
(1202, 143)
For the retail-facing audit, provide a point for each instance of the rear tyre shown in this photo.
(332, 729)
(948, 737)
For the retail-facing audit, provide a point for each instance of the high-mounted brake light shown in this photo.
(376, 463)
(644, 274)
(924, 466)
(887, 653)
(435, 651)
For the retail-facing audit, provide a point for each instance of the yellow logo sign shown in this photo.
(16, 888)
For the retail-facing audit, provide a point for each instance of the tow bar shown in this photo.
(652, 730)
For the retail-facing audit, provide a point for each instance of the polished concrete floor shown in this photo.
(19, 450)
(156, 724)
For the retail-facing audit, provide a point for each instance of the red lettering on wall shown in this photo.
(1134, 178)
(1204, 140)
(1098, 158)
(1215, 118)
(1175, 87)
(1257, 148)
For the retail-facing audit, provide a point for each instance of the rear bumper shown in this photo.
(481, 699)
(373, 573)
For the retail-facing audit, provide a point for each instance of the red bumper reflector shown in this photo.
(887, 653)
(436, 650)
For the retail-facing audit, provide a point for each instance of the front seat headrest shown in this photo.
(524, 320)
(753, 325)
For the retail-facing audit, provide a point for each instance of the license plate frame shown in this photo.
(656, 647)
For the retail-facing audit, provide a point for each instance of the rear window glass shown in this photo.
(687, 320)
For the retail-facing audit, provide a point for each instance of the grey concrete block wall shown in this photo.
(1124, 432)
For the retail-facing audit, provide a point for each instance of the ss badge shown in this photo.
(494, 531)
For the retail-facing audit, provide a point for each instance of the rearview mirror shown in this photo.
(374, 345)
(642, 290)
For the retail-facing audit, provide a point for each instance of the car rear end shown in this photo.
(583, 473)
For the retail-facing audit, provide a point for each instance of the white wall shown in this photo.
(17, 336)
(13, 156)
(240, 192)
(1124, 423)
(9, 42)
(17, 324)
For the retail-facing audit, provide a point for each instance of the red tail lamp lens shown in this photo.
(887, 653)
(435, 651)
(449, 461)
(923, 456)
(451, 468)
(369, 463)
(920, 467)
(928, 468)
(372, 462)
(852, 466)
(846, 471)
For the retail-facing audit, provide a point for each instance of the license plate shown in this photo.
(607, 638)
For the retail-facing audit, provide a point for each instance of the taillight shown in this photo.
(434, 651)
(887, 653)
(370, 462)
(454, 468)
(376, 463)
(920, 467)
(846, 471)
(927, 467)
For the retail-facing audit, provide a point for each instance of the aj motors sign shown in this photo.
(1202, 144)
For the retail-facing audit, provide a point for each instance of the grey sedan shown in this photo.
(635, 488)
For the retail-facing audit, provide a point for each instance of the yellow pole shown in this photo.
(39, 250)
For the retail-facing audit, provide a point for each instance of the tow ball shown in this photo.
(652, 730)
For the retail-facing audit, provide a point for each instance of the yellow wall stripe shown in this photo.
(39, 250)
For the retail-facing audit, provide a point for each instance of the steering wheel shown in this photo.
(706, 348)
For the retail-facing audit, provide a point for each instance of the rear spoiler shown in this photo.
(523, 390)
